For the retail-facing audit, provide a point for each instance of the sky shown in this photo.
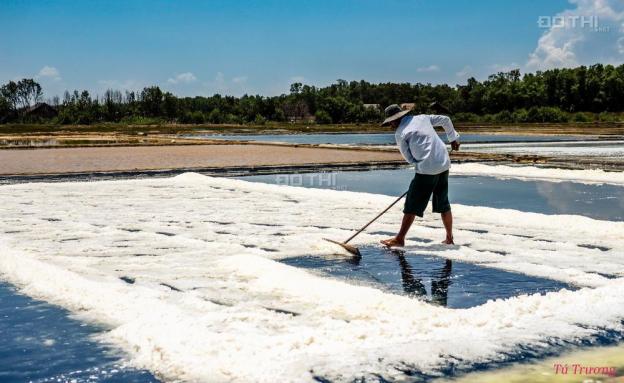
(234, 47)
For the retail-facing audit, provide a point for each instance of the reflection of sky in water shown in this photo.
(568, 198)
(486, 143)
(42, 343)
(596, 201)
(584, 148)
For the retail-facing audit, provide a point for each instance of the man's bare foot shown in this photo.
(393, 242)
(448, 241)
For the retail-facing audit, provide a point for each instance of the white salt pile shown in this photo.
(184, 271)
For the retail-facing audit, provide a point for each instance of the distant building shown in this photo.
(408, 106)
(41, 110)
(436, 107)
(372, 106)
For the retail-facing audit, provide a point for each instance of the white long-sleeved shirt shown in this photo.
(421, 146)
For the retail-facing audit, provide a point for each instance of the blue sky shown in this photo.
(234, 47)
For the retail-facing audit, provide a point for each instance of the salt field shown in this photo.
(198, 278)
(287, 192)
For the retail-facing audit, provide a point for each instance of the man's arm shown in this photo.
(405, 150)
(446, 123)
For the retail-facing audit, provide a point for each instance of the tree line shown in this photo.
(582, 94)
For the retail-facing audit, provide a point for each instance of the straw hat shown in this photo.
(393, 112)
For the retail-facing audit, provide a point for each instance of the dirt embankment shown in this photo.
(137, 158)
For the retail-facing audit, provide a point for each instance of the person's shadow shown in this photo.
(414, 286)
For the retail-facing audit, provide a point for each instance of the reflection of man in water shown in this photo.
(414, 286)
(440, 286)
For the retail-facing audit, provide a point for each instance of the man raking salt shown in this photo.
(421, 146)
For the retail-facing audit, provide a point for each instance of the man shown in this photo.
(421, 146)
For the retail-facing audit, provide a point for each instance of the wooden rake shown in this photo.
(352, 249)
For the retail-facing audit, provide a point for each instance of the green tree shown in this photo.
(216, 117)
(170, 106)
(28, 92)
(151, 101)
(5, 108)
(580, 94)
(322, 117)
(9, 93)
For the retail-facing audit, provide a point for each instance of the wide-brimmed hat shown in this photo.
(393, 112)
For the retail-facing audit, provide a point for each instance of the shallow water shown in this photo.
(603, 149)
(42, 343)
(379, 138)
(437, 280)
(544, 145)
(595, 201)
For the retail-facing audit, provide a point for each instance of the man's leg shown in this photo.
(447, 220)
(399, 240)
(416, 202)
(441, 205)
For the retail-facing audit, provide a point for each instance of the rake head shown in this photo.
(350, 248)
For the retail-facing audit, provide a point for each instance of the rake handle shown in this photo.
(375, 219)
(380, 214)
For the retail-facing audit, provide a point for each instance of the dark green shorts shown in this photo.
(420, 191)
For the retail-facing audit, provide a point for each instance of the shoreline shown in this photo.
(211, 171)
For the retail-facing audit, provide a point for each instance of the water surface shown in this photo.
(595, 201)
(43, 343)
(436, 280)
(604, 149)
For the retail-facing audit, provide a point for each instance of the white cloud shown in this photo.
(49, 72)
(591, 32)
(183, 78)
(119, 85)
(430, 68)
(495, 68)
(219, 82)
(235, 86)
(465, 71)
